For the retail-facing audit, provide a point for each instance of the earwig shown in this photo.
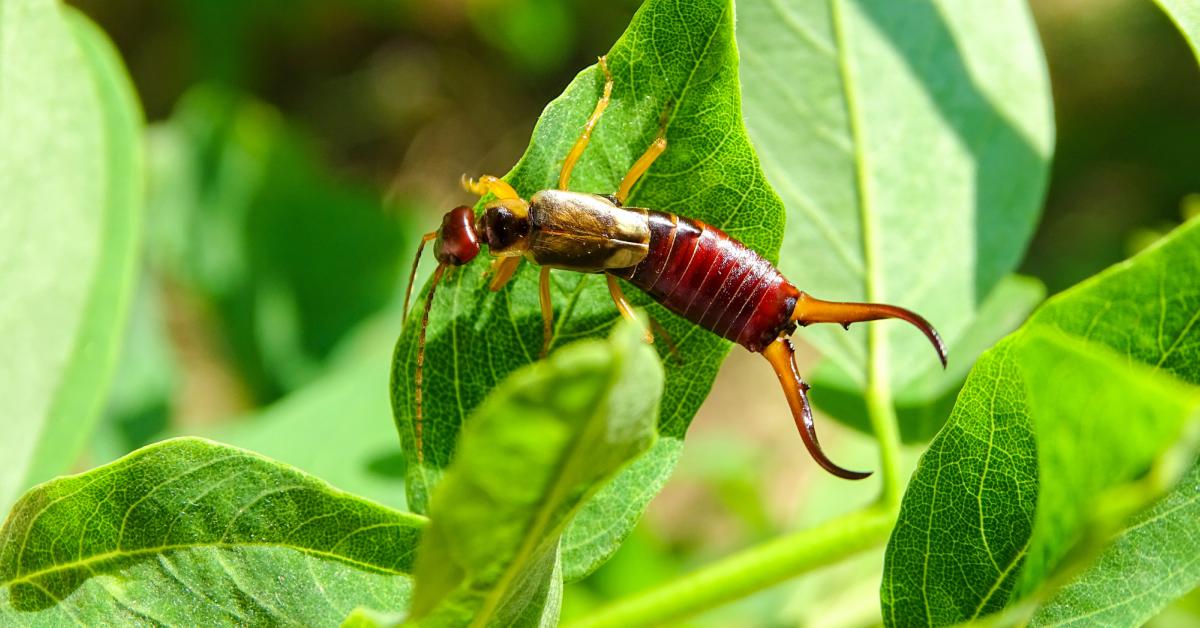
(693, 269)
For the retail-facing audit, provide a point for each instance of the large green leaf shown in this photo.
(529, 457)
(676, 57)
(1186, 15)
(1078, 402)
(910, 142)
(70, 180)
(189, 532)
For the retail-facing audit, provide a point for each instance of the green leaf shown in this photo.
(70, 177)
(1077, 403)
(288, 256)
(1151, 562)
(676, 57)
(924, 403)
(546, 440)
(910, 143)
(1186, 16)
(188, 532)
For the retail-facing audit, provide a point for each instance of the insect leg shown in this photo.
(657, 328)
(547, 310)
(488, 183)
(618, 296)
(564, 177)
(783, 359)
(640, 167)
(503, 269)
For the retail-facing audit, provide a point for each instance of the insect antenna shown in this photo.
(425, 239)
(418, 421)
(812, 310)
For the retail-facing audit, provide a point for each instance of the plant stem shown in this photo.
(749, 571)
(882, 413)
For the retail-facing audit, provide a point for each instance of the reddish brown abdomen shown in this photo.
(707, 277)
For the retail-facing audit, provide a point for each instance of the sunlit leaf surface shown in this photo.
(675, 62)
(188, 532)
(1079, 401)
(1186, 15)
(910, 143)
(70, 184)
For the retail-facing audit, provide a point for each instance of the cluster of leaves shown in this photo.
(1041, 497)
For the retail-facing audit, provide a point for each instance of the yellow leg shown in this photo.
(661, 332)
(488, 183)
(618, 296)
(547, 310)
(503, 269)
(564, 177)
(640, 167)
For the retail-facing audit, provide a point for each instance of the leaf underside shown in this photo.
(910, 143)
(72, 167)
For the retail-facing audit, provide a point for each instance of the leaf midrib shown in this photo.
(96, 559)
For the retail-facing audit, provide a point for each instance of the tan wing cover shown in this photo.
(585, 232)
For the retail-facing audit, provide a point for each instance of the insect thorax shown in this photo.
(585, 232)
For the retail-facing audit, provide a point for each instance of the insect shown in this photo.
(693, 269)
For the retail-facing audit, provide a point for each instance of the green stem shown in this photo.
(750, 571)
(882, 413)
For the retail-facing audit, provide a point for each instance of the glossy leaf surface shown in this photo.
(188, 532)
(910, 144)
(547, 439)
(71, 167)
(676, 62)
(1077, 403)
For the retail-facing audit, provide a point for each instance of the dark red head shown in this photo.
(457, 240)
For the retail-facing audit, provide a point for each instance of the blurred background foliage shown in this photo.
(298, 148)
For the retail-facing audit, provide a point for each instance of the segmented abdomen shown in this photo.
(707, 277)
